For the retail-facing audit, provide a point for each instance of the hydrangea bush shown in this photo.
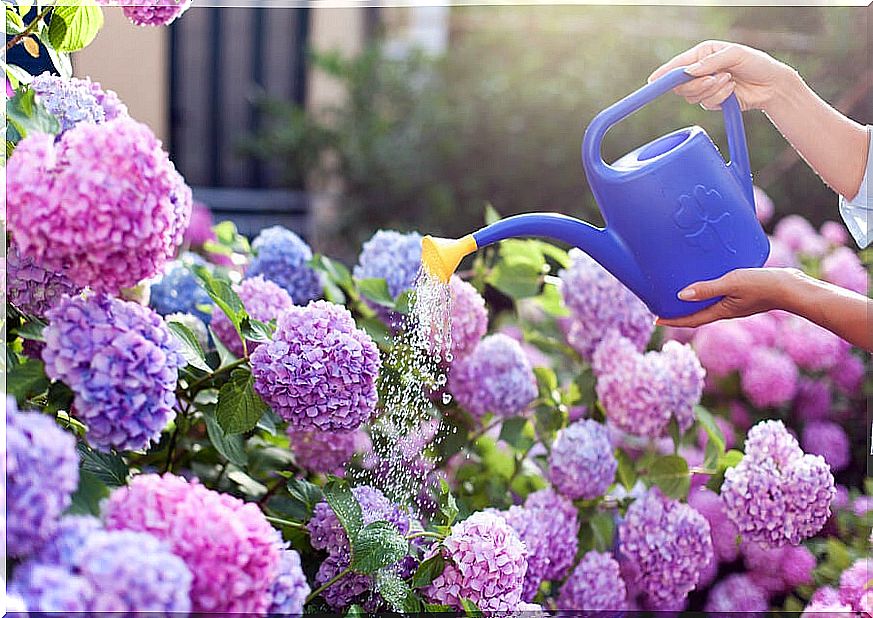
(572, 456)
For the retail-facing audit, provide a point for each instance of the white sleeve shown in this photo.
(857, 212)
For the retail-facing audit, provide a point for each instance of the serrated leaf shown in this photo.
(394, 590)
(229, 446)
(515, 279)
(224, 296)
(603, 529)
(304, 496)
(517, 432)
(109, 468)
(255, 330)
(88, 496)
(14, 25)
(447, 506)
(74, 26)
(376, 290)
(339, 496)
(335, 271)
(26, 115)
(552, 302)
(627, 474)
(191, 349)
(377, 545)
(713, 431)
(470, 609)
(225, 356)
(428, 571)
(26, 380)
(670, 473)
(239, 407)
(32, 330)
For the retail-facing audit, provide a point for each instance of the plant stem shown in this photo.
(328, 584)
(286, 522)
(472, 439)
(228, 367)
(698, 470)
(28, 30)
(271, 491)
(168, 465)
(424, 534)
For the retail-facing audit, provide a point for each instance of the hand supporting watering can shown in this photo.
(837, 148)
(681, 229)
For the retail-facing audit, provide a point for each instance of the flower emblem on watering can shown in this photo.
(705, 220)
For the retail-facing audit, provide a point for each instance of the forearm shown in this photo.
(843, 312)
(833, 145)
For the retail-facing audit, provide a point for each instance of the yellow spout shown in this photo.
(441, 256)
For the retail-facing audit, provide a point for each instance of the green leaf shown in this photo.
(74, 26)
(89, 494)
(447, 506)
(225, 356)
(491, 214)
(515, 279)
(394, 590)
(376, 290)
(61, 61)
(470, 609)
(109, 468)
(428, 571)
(336, 271)
(586, 381)
(713, 432)
(191, 349)
(32, 330)
(339, 496)
(548, 420)
(229, 446)
(603, 529)
(60, 397)
(436, 608)
(25, 115)
(26, 380)
(377, 545)
(223, 295)
(548, 383)
(239, 407)
(255, 330)
(556, 253)
(730, 459)
(304, 497)
(354, 611)
(671, 474)
(551, 301)
(627, 473)
(14, 25)
(518, 432)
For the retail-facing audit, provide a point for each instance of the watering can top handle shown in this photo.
(733, 117)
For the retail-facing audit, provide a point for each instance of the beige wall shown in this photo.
(133, 61)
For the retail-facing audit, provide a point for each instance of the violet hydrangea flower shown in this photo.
(813, 400)
(263, 300)
(667, 545)
(829, 440)
(42, 472)
(392, 256)
(290, 589)
(495, 377)
(320, 370)
(32, 288)
(724, 532)
(582, 463)
(326, 452)
(282, 257)
(598, 303)
(72, 100)
(199, 230)
(736, 593)
(769, 378)
(227, 544)
(777, 495)
(595, 584)
(122, 363)
(104, 201)
(485, 564)
(49, 588)
(67, 540)
(854, 582)
(469, 317)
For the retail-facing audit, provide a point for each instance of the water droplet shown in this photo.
(447, 399)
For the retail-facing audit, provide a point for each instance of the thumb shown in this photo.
(702, 290)
(720, 61)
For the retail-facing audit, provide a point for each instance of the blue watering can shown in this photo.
(675, 212)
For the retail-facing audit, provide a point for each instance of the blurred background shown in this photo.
(336, 122)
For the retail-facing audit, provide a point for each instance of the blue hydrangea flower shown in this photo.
(290, 589)
(392, 256)
(179, 291)
(68, 539)
(282, 257)
(72, 100)
(42, 472)
(121, 361)
(582, 463)
(51, 588)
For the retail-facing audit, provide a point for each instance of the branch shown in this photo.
(28, 30)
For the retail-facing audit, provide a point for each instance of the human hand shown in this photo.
(723, 68)
(745, 292)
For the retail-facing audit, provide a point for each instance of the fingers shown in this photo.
(690, 56)
(705, 316)
(706, 289)
(722, 60)
(714, 101)
(703, 88)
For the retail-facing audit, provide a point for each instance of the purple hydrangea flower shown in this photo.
(392, 256)
(599, 303)
(49, 588)
(813, 400)
(320, 370)
(723, 346)
(351, 588)
(830, 441)
(595, 584)
(179, 291)
(854, 582)
(199, 230)
(835, 233)
(32, 288)
(485, 564)
(134, 572)
(843, 267)
(42, 472)
(582, 464)
(72, 100)
(799, 236)
(777, 494)
(811, 346)
(122, 363)
(105, 201)
(469, 317)
(724, 532)
(848, 374)
(666, 545)
(282, 257)
(227, 544)
(67, 540)
(322, 451)
(641, 392)
(769, 378)
(262, 299)
(153, 12)
(290, 589)
(495, 377)
(827, 599)
(737, 593)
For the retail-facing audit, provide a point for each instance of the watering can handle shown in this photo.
(733, 118)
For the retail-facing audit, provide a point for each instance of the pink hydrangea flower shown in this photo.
(322, 451)
(848, 374)
(764, 208)
(103, 201)
(152, 12)
(811, 346)
(799, 236)
(835, 233)
(781, 256)
(199, 230)
(855, 581)
(842, 267)
(724, 532)
(595, 584)
(829, 440)
(813, 400)
(723, 346)
(769, 378)
(736, 593)
(469, 317)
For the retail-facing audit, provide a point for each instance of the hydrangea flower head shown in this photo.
(829, 440)
(781, 256)
(282, 257)
(469, 317)
(843, 267)
(153, 12)
(813, 400)
(855, 581)
(724, 532)
(121, 362)
(320, 370)
(799, 236)
(32, 288)
(42, 472)
(582, 463)
(667, 545)
(485, 563)
(598, 303)
(72, 100)
(262, 299)
(179, 291)
(764, 207)
(595, 584)
(769, 378)
(848, 374)
(835, 233)
(495, 377)
(811, 346)
(737, 593)
(199, 230)
(392, 256)
(49, 588)
(351, 588)
(777, 495)
(322, 451)
(104, 201)
(723, 346)
(290, 589)
(227, 544)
